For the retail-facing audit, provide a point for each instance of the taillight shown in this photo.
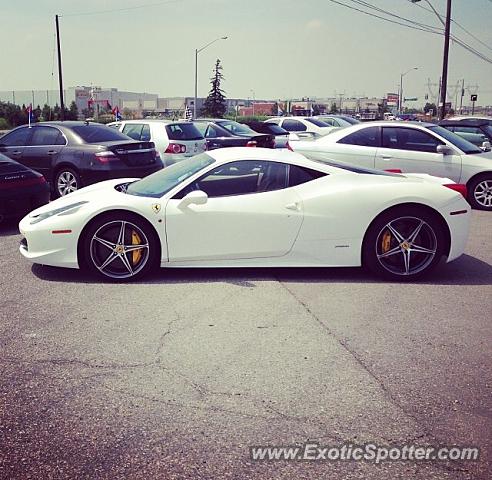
(175, 148)
(393, 170)
(287, 145)
(457, 187)
(251, 143)
(105, 157)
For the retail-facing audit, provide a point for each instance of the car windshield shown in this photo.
(163, 181)
(237, 128)
(464, 145)
(488, 130)
(350, 120)
(98, 133)
(317, 122)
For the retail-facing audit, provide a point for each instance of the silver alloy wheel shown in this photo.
(406, 246)
(483, 193)
(67, 183)
(119, 249)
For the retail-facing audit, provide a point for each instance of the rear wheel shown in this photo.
(67, 180)
(120, 247)
(404, 244)
(480, 192)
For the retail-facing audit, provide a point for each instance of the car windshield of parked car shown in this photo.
(99, 133)
(163, 181)
(237, 128)
(351, 120)
(464, 145)
(488, 130)
(317, 122)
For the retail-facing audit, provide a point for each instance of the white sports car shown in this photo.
(244, 207)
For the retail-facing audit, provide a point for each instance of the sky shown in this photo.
(276, 49)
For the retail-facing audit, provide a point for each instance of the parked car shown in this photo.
(411, 147)
(220, 133)
(303, 125)
(174, 141)
(281, 136)
(21, 189)
(338, 120)
(251, 208)
(73, 154)
(475, 130)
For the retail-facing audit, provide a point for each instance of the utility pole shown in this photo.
(462, 95)
(444, 81)
(60, 77)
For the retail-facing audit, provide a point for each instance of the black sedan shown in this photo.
(220, 133)
(21, 189)
(281, 136)
(71, 155)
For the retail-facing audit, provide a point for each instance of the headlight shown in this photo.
(66, 210)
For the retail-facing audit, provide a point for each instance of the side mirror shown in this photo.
(445, 150)
(196, 197)
(485, 146)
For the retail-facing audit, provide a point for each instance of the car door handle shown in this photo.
(386, 157)
(51, 152)
(293, 206)
(16, 152)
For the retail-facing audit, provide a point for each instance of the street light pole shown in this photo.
(253, 92)
(400, 98)
(197, 51)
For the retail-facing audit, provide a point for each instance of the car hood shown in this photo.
(102, 192)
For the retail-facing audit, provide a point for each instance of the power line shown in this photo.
(424, 29)
(459, 26)
(410, 24)
(99, 12)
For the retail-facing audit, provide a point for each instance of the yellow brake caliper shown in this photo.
(386, 242)
(136, 254)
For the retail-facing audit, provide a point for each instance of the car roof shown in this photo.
(472, 122)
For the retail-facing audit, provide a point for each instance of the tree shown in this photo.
(215, 105)
(316, 110)
(430, 106)
(333, 108)
(46, 112)
(73, 112)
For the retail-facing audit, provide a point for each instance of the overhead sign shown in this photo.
(411, 99)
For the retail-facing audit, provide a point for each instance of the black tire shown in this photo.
(480, 192)
(102, 242)
(67, 180)
(388, 245)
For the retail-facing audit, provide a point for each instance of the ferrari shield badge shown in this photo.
(156, 207)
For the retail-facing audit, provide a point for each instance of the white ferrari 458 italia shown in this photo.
(252, 207)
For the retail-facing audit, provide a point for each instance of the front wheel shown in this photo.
(119, 247)
(480, 193)
(403, 244)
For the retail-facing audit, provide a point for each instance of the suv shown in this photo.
(72, 154)
(174, 141)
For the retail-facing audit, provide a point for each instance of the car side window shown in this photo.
(241, 178)
(329, 121)
(293, 125)
(211, 132)
(46, 136)
(145, 134)
(409, 139)
(468, 129)
(17, 138)
(366, 137)
(299, 175)
(133, 130)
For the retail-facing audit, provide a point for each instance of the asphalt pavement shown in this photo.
(178, 375)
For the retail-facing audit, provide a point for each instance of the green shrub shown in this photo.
(4, 125)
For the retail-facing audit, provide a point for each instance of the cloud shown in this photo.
(314, 25)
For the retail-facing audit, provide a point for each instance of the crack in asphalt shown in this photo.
(358, 360)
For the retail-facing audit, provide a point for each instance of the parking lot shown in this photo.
(178, 375)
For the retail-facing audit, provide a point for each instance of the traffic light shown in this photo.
(474, 97)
